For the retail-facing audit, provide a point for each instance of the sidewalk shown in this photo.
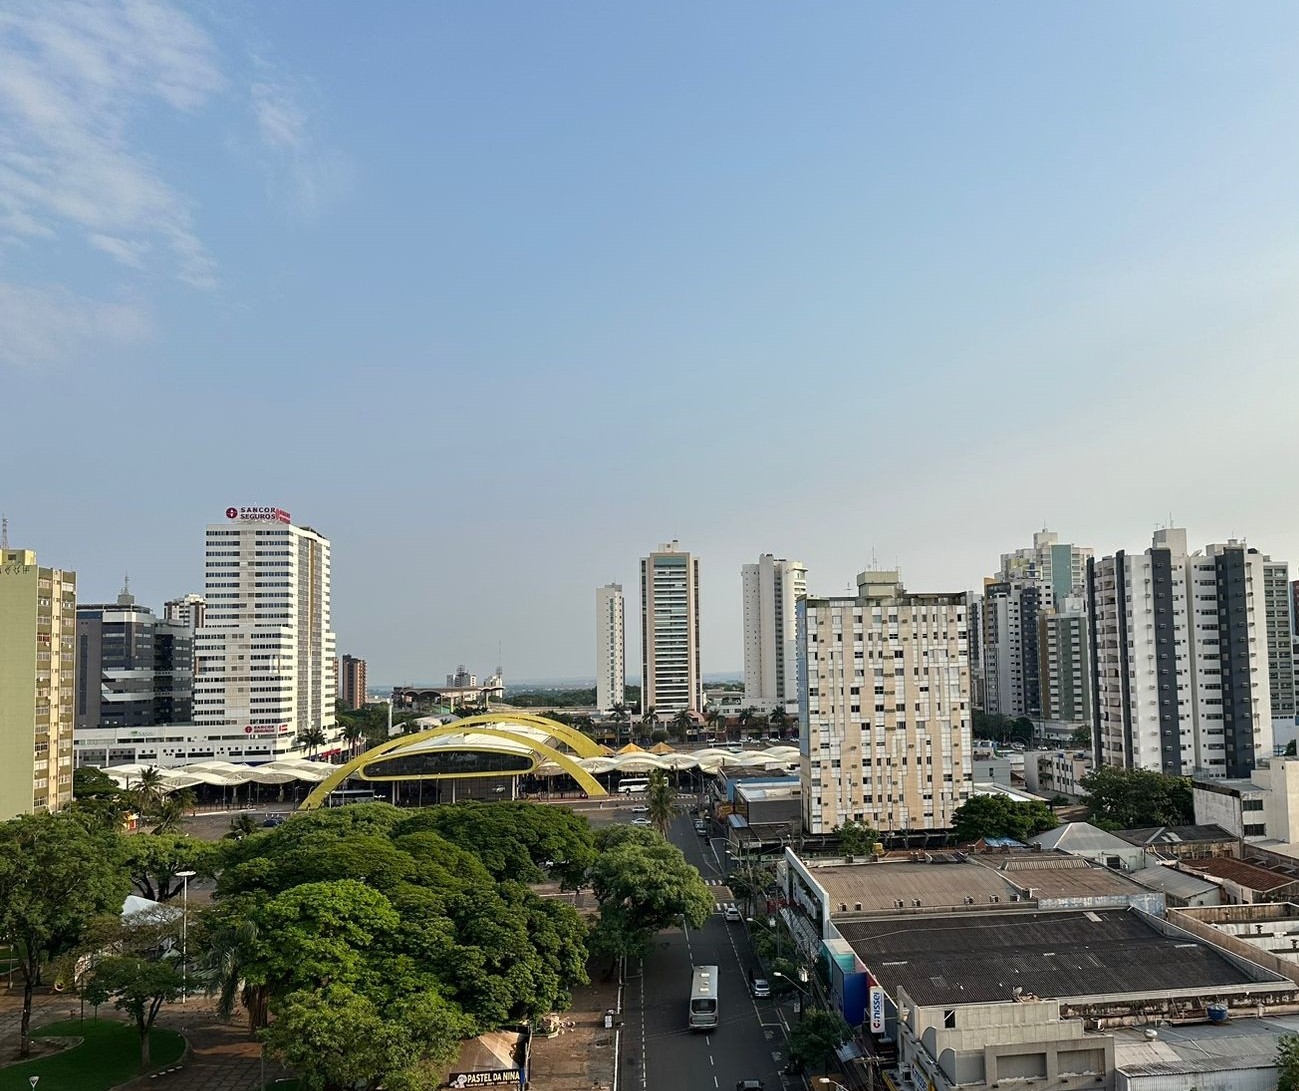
(580, 1058)
(220, 1057)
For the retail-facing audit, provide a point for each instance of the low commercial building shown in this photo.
(1236, 1056)
(1264, 806)
(1179, 888)
(1057, 772)
(1091, 843)
(981, 999)
(1245, 882)
(1179, 842)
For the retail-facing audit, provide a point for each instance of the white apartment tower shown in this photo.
(610, 647)
(265, 651)
(771, 589)
(1180, 674)
(671, 678)
(884, 707)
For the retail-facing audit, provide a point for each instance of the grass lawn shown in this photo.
(109, 1055)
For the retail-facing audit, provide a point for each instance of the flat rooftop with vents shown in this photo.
(981, 958)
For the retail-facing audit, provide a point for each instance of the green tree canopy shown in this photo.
(339, 1039)
(153, 860)
(388, 904)
(1126, 799)
(856, 838)
(1000, 816)
(1287, 1062)
(57, 873)
(643, 884)
(139, 987)
(816, 1036)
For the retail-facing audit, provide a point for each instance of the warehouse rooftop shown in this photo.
(979, 958)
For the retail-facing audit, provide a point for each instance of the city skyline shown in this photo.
(380, 265)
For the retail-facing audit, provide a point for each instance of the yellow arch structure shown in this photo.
(482, 725)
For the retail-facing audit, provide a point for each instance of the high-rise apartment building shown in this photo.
(1029, 585)
(188, 610)
(1180, 675)
(351, 681)
(265, 651)
(1011, 610)
(884, 707)
(133, 668)
(1280, 646)
(1064, 669)
(1060, 566)
(38, 618)
(671, 675)
(771, 590)
(610, 647)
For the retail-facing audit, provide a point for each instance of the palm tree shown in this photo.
(150, 789)
(779, 720)
(620, 714)
(312, 738)
(169, 813)
(649, 720)
(241, 826)
(713, 717)
(662, 801)
(221, 968)
(353, 733)
(681, 723)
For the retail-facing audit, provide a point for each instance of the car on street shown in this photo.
(640, 808)
(641, 822)
(760, 986)
(273, 820)
(748, 1085)
(732, 914)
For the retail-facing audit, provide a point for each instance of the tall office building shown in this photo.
(610, 647)
(351, 681)
(1064, 668)
(884, 707)
(133, 668)
(671, 678)
(771, 590)
(38, 617)
(1180, 675)
(265, 651)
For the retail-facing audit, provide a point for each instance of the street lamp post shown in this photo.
(185, 877)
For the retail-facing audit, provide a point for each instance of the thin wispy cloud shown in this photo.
(39, 327)
(73, 78)
(83, 84)
(310, 175)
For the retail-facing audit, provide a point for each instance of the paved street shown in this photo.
(659, 1053)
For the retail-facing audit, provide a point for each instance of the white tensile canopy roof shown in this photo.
(225, 774)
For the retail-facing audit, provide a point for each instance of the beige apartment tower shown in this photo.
(671, 678)
(38, 625)
(351, 681)
(884, 707)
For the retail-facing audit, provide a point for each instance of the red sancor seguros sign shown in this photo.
(259, 515)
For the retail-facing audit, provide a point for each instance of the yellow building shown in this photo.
(38, 625)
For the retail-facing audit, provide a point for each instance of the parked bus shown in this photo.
(341, 796)
(633, 786)
(703, 998)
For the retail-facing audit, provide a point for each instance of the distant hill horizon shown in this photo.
(529, 684)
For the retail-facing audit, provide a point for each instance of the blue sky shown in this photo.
(500, 295)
